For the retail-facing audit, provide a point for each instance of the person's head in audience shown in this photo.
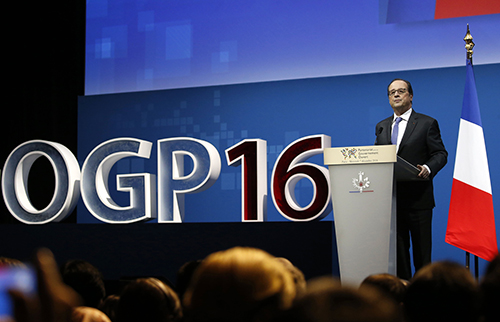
(86, 280)
(326, 300)
(298, 276)
(88, 314)
(489, 289)
(442, 291)
(241, 284)
(184, 275)
(390, 284)
(148, 300)
(110, 305)
(11, 262)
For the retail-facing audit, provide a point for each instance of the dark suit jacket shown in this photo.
(421, 144)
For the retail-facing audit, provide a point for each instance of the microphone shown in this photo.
(380, 130)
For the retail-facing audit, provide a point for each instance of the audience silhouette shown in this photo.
(245, 284)
(88, 314)
(184, 276)
(110, 305)
(391, 285)
(149, 300)
(86, 280)
(442, 291)
(327, 300)
(489, 290)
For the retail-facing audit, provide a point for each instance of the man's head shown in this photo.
(400, 95)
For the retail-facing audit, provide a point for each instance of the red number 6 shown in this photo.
(290, 169)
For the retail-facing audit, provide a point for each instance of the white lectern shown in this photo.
(364, 209)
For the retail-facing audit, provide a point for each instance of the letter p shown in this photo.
(174, 183)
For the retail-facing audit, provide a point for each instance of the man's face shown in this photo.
(399, 98)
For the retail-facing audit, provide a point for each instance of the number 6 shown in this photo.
(290, 169)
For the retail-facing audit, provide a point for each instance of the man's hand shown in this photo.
(424, 173)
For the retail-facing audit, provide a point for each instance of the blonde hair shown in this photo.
(239, 284)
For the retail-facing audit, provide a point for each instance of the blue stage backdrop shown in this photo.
(138, 45)
(343, 107)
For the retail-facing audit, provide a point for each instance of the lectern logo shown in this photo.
(361, 183)
(349, 153)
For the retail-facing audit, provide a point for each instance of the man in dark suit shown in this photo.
(418, 141)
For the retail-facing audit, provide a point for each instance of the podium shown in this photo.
(364, 209)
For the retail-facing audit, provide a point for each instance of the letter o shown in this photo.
(15, 178)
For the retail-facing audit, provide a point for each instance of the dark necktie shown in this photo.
(395, 131)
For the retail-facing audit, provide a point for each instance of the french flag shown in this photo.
(471, 221)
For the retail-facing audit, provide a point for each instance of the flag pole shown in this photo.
(476, 267)
(469, 45)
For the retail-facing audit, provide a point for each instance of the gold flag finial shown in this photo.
(469, 44)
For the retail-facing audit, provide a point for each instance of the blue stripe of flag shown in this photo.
(470, 106)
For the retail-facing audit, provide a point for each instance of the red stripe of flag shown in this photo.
(468, 228)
